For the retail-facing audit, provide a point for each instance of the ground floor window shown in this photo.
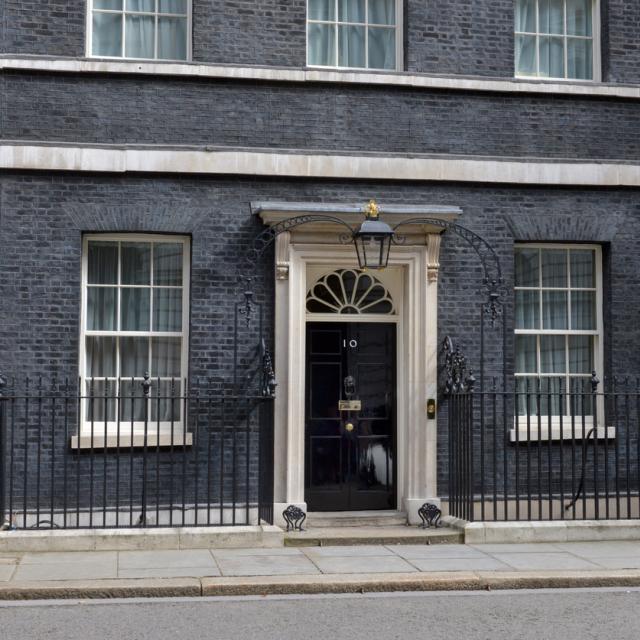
(558, 326)
(135, 293)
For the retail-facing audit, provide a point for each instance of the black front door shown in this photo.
(350, 416)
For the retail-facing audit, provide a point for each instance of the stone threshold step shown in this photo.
(330, 519)
(357, 536)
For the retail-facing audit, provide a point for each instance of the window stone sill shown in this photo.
(367, 77)
(125, 441)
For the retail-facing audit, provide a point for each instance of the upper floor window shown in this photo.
(142, 29)
(556, 39)
(360, 34)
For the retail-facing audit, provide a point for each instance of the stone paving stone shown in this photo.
(165, 559)
(90, 570)
(6, 571)
(170, 572)
(263, 565)
(544, 561)
(606, 549)
(409, 551)
(239, 553)
(363, 564)
(69, 557)
(347, 551)
(459, 564)
(617, 563)
(518, 547)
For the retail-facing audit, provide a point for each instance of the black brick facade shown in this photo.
(43, 218)
(128, 110)
(44, 214)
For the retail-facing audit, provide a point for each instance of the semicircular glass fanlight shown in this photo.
(349, 291)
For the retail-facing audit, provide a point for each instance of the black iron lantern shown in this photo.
(373, 240)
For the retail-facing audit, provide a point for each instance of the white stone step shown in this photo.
(387, 535)
(336, 519)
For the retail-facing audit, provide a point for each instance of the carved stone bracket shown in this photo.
(283, 241)
(433, 256)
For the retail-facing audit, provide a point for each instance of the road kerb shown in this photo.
(316, 584)
(101, 589)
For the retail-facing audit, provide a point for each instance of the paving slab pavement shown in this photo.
(319, 569)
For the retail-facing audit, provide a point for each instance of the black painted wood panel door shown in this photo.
(350, 455)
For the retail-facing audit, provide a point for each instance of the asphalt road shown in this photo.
(534, 615)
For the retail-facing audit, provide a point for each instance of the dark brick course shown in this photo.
(98, 109)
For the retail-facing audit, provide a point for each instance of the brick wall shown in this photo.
(621, 44)
(44, 27)
(98, 109)
(460, 37)
(43, 217)
(269, 32)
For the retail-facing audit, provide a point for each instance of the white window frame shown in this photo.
(556, 427)
(399, 44)
(101, 433)
(595, 46)
(123, 11)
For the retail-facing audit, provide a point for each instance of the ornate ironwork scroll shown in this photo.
(294, 517)
(430, 515)
(459, 378)
(269, 383)
(492, 281)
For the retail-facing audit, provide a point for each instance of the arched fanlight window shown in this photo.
(349, 291)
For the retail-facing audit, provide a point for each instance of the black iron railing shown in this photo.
(544, 450)
(152, 453)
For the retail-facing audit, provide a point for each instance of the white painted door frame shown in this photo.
(417, 367)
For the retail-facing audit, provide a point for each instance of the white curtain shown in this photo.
(579, 59)
(139, 36)
(382, 48)
(172, 38)
(552, 354)
(106, 35)
(167, 309)
(135, 307)
(580, 354)
(351, 46)
(322, 44)
(527, 310)
(526, 354)
(525, 46)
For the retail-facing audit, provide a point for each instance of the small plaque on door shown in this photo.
(350, 405)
